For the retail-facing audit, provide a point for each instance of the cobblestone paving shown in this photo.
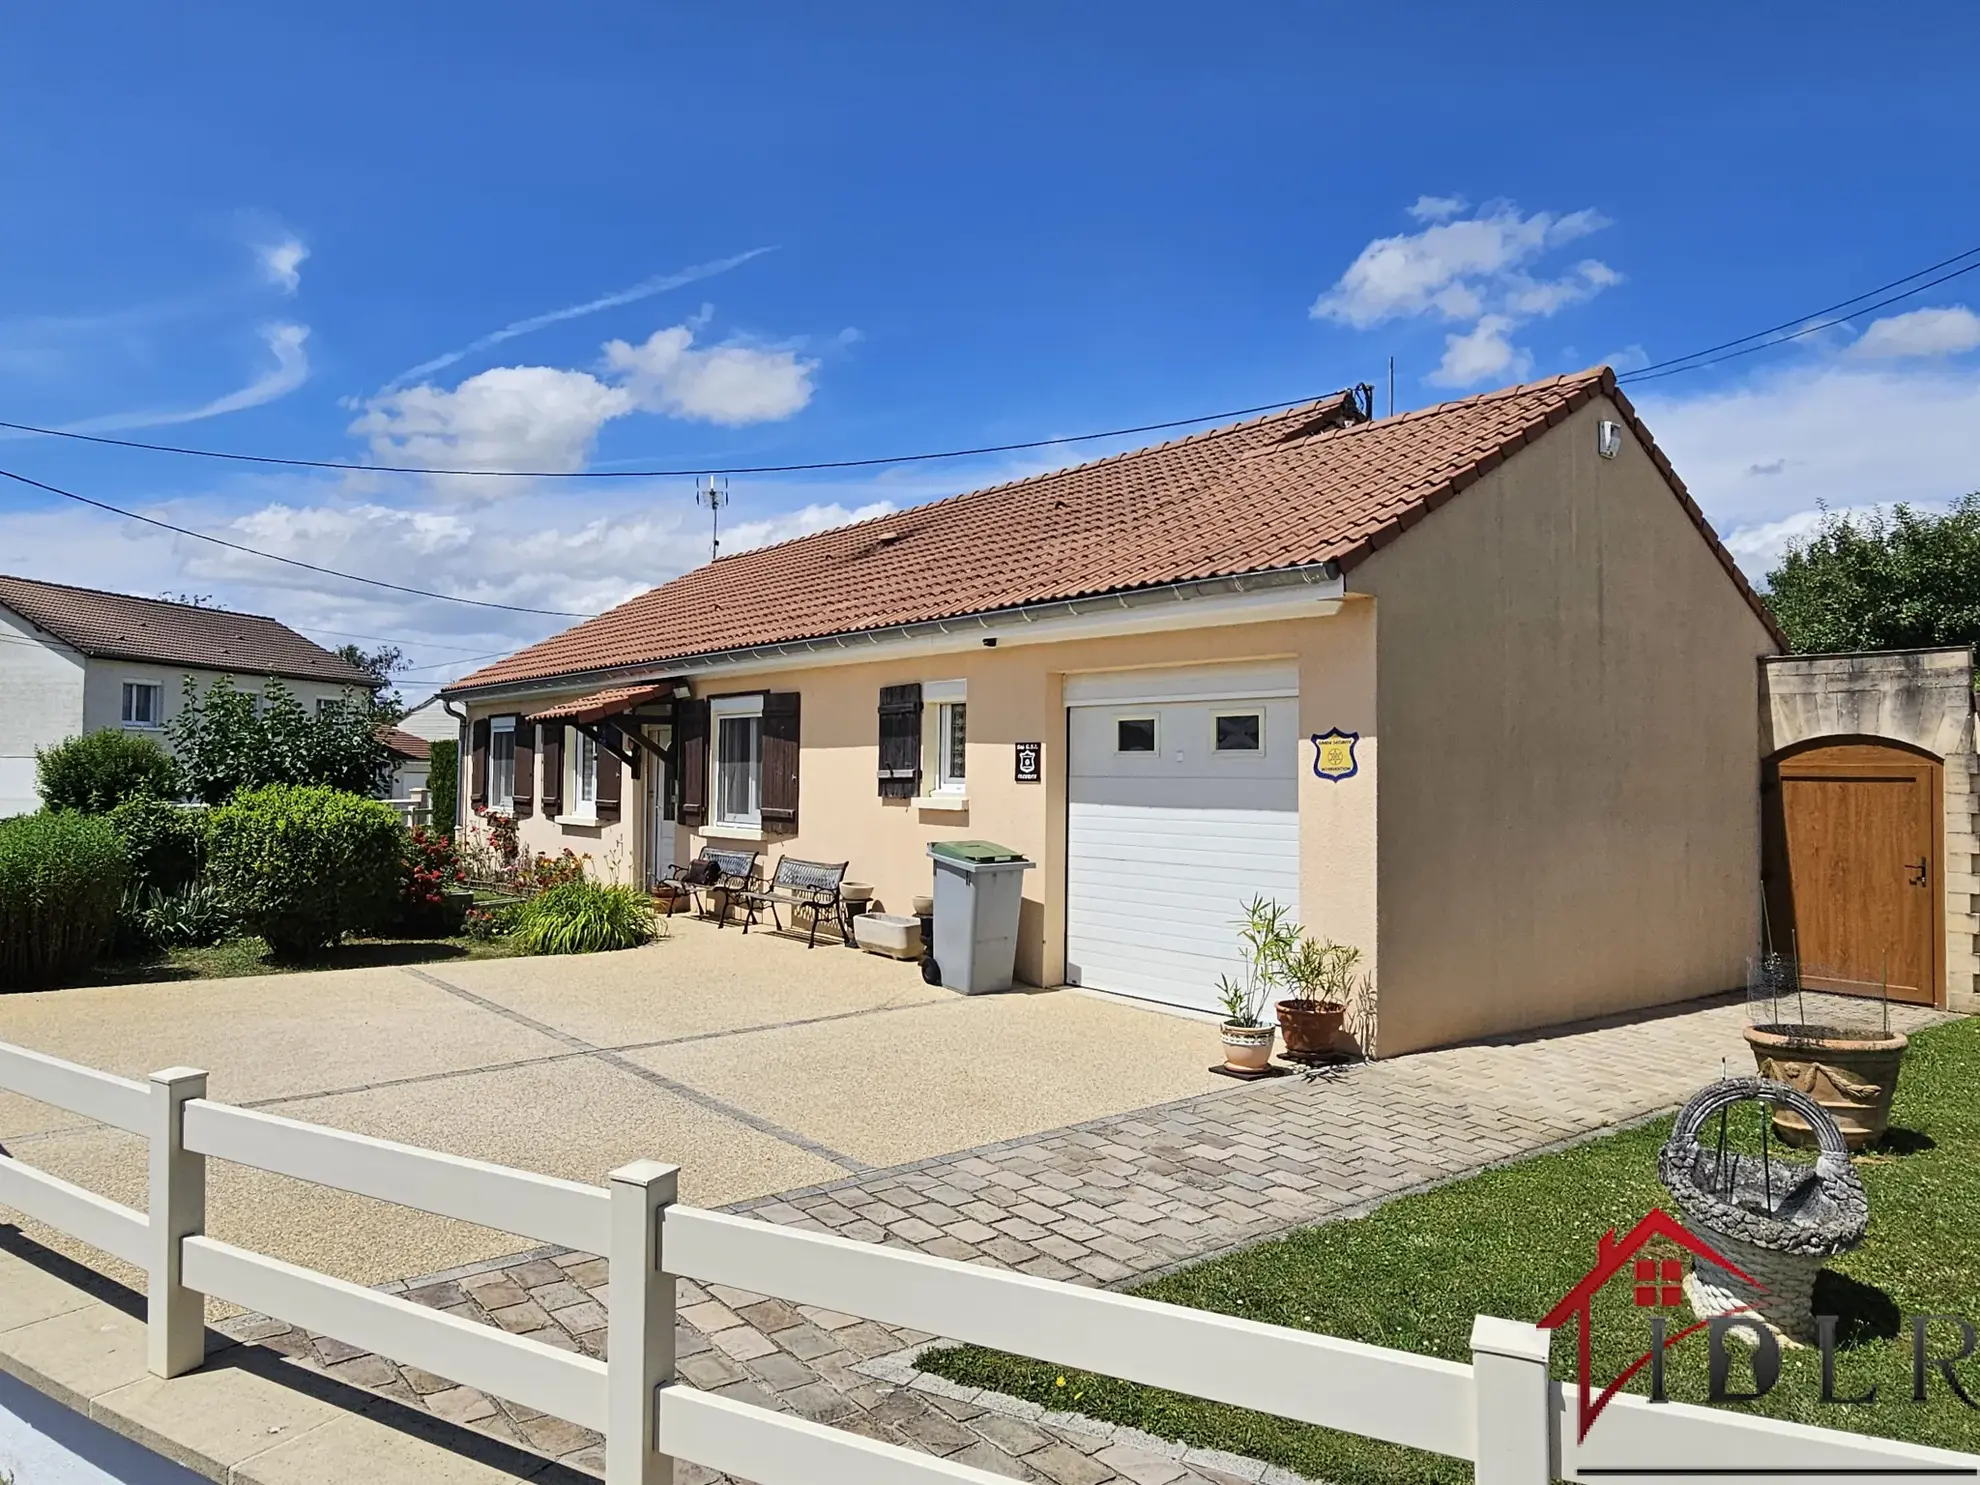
(1102, 1203)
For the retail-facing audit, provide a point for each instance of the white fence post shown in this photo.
(176, 1339)
(640, 1337)
(1513, 1403)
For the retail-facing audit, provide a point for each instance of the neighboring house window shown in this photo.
(143, 704)
(326, 706)
(1240, 732)
(738, 723)
(502, 764)
(1134, 735)
(584, 774)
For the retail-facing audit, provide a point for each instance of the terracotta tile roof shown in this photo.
(405, 745)
(1286, 490)
(119, 626)
(600, 704)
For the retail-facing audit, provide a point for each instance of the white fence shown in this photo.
(1503, 1411)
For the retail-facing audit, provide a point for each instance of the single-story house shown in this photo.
(1472, 688)
(75, 660)
(412, 761)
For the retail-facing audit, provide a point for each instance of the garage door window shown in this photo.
(1239, 732)
(1134, 735)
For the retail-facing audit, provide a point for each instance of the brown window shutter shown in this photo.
(608, 773)
(525, 797)
(478, 767)
(900, 741)
(780, 760)
(691, 759)
(552, 749)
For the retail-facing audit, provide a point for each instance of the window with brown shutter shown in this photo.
(780, 760)
(608, 773)
(900, 741)
(525, 793)
(553, 768)
(691, 759)
(478, 767)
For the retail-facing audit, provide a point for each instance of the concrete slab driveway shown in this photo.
(756, 1065)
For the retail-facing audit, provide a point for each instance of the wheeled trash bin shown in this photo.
(979, 887)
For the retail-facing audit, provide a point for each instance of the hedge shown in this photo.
(302, 865)
(98, 771)
(61, 880)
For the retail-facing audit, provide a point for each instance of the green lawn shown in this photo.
(1510, 1242)
(249, 956)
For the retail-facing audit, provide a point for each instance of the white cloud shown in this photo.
(727, 384)
(1529, 296)
(1949, 331)
(643, 290)
(1482, 352)
(1627, 358)
(1437, 208)
(282, 262)
(285, 343)
(1453, 268)
(511, 417)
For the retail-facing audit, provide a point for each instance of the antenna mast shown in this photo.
(712, 490)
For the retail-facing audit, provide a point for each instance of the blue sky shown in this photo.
(625, 235)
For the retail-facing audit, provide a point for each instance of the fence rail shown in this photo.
(1503, 1412)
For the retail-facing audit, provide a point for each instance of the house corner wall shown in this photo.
(41, 702)
(1569, 820)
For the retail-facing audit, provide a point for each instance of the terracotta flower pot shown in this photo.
(1852, 1074)
(1310, 1026)
(1248, 1048)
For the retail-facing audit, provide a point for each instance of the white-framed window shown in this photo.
(583, 753)
(1238, 732)
(737, 785)
(502, 763)
(945, 737)
(144, 704)
(1134, 734)
(326, 706)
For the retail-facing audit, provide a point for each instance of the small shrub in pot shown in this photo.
(302, 865)
(61, 880)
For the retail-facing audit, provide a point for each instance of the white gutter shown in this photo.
(1289, 593)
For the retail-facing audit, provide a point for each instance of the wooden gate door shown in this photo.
(1854, 850)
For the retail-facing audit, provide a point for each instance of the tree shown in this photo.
(382, 663)
(228, 740)
(1908, 580)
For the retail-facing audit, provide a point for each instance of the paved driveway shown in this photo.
(755, 1064)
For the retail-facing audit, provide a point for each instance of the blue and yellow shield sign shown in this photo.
(1333, 754)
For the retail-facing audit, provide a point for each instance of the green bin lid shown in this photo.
(975, 852)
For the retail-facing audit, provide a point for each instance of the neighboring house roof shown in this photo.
(405, 745)
(119, 626)
(1290, 489)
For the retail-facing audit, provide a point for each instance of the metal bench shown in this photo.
(734, 872)
(810, 886)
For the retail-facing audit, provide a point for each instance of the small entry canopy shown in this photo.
(600, 705)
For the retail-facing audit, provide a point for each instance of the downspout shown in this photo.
(460, 753)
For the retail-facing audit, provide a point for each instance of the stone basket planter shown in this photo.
(1852, 1074)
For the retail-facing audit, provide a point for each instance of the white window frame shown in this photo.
(129, 692)
(1218, 715)
(729, 709)
(580, 781)
(947, 792)
(502, 727)
(1153, 719)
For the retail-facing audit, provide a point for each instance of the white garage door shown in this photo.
(1181, 808)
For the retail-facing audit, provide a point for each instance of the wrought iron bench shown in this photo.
(713, 870)
(811, 886)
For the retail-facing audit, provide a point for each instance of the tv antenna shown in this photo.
(712, 490)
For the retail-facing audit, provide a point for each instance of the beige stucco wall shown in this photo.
(1569, 819)
(1015, 694)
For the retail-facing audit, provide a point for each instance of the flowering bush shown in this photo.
(428, 866)
(501, 830)
(538, 874)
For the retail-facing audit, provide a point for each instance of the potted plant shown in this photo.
(1320, 973)
(1846, 1056)
(1265, 937)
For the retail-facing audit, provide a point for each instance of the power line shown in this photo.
(629, 474)
(234, 546)
(386, 639)
(1691, 362)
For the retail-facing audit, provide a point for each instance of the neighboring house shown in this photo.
(1472, 688)
(412, 761)
(74, 660)
(431, 720)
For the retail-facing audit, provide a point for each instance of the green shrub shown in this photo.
(302, 864)
(98, 771)
(443, 782)
(193, 916)
(61, 879)
(166, 842)
(582, 917)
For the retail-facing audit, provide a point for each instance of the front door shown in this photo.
(658, 811)
(1853, 869)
